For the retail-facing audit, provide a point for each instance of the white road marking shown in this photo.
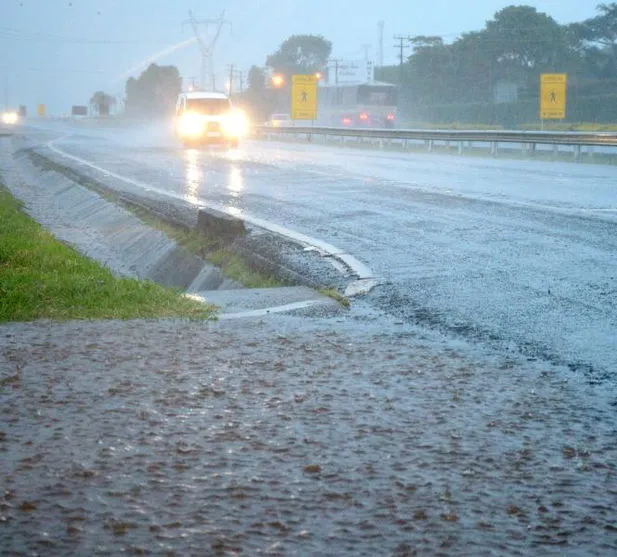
(271, 310)
(366, 280)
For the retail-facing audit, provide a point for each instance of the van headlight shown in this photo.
(10, 118)
(190, 125)
(236, 124)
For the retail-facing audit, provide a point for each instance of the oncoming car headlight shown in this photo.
(10, 118)
(190, 125)
(236, 124)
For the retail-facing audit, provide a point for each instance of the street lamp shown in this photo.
(278, 81)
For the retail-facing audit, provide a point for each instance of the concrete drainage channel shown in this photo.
(98, 219)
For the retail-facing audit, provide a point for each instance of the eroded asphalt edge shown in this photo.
(364, 283)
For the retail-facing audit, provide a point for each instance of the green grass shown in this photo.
(571, 127)
(41, 278)
(335, 295)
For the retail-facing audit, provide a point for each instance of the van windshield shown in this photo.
(208, 106)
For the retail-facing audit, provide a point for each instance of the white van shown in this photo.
(203, 117)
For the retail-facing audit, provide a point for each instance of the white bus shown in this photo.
(361, 106)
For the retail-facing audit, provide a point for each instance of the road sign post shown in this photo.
(304, 97)
(553, 96)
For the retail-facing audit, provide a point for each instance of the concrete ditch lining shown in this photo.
(266, 252)
(108, 233)
(362, 278)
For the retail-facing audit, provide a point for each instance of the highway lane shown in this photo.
(519, 254)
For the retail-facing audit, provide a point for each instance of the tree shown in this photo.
(301, 54)
(258, 100)
(101, 103)
(600, 35)
(522, 38)
(154, 92)
(256, 79)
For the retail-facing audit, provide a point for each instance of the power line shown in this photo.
(12, 34)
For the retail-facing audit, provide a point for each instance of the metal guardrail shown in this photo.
(525, 137)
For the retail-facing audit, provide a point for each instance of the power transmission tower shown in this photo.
(206, 46)
(401, 46)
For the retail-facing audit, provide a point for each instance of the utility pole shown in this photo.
(335, 62)
(367, 48)
(231, 79)
(380, 27)
(206, 46)
(401, 46)
(236, 76)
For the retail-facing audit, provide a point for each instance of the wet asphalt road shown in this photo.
(348, 435)
(516, 254)
(295, 437)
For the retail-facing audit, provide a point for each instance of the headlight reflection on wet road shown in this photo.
(235, 181)
(194, 174)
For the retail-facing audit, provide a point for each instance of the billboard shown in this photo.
(79, 110)
(351, 72)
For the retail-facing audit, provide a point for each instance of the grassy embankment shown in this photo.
(41, 278)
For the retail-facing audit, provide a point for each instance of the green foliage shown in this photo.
(520, 37)
(257, 79)
(101, 103)
(301, 54)
(599, 34)
(258, 100)
(154, 92)
(41, 278)
(460, 81)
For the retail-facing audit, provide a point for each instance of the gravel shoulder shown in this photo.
(295, 436)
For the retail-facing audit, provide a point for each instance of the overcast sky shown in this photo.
(58, 52)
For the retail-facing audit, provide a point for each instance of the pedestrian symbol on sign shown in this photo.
(553, 97)
(304, 97)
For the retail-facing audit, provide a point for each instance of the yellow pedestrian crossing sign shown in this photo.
(304, 97)
(553, 95)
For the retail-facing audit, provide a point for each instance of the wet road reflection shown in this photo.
(235, 181)
(194, 174)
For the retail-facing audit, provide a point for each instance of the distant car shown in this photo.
(208, 117)
(281, 121)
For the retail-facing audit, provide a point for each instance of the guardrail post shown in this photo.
(532, 150)
(494, 147)
(577, 153)
(431, 145)
(556, 151)
(460, 147)
(590, 151)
